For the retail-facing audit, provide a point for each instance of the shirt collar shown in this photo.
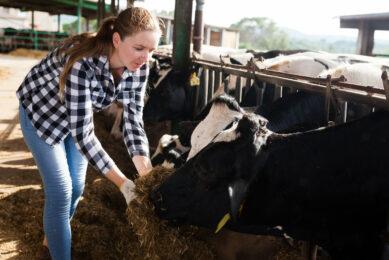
(126, 73)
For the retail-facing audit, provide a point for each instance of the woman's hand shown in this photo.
(125, 185)
(128, 190)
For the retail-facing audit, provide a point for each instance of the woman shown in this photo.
(57, 100)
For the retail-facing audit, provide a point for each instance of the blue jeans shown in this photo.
(63, 170)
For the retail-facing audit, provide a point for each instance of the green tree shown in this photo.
(260, 33)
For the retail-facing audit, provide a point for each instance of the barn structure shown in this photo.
(213, 35)
(366, 24)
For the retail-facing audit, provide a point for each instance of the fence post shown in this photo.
(35, 39)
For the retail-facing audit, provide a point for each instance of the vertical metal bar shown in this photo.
(328, 97)
(277, 92)
(198, 26)
(35, 39)
(32, 20)
(384, 77)
(217, 80)
(211, 84)
(344, 111)
(87, 24)
(79, 8)
(226, 83)
(204, 88)
(181, 34)
(114, 9)
(238, 89)
(248, 85)
(59, 23)
(259, 92)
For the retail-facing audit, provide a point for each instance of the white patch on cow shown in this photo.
(262, 136)
(303, 64)
(227, 135)
(242, 58)
(165, 141)
(217, 119)
(168, 165)
(364, 74)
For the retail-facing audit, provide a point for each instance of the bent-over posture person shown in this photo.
(58, 97)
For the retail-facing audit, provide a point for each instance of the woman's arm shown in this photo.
(142, 164)
(116, 176)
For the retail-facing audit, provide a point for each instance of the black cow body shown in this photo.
(328, 186)
(299, 111)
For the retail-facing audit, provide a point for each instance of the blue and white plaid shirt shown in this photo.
(89, 88)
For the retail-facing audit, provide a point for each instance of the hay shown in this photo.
(157, 239)
(21, 52)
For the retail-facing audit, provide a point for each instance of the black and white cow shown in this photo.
(328, 186)
(170, 153)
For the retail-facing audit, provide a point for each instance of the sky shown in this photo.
(307, 16)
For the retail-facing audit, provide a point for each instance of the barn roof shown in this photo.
(377, 21)
(89, 8)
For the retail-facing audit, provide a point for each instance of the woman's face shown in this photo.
(135, 50)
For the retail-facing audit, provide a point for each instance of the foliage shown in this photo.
(260, 33)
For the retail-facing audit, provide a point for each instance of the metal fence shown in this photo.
(337, 92)
(11, 39)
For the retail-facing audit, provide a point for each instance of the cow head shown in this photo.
(170, 153)
(219, 113)
(172, 98)
(214, 182)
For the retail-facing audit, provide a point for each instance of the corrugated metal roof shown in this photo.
(89, 8)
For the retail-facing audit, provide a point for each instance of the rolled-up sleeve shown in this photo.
(80, 116)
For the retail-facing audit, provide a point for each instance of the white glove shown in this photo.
(128, 190)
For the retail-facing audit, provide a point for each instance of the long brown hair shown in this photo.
(130, 21)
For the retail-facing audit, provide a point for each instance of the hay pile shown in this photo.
(36, 54)
(157, 239)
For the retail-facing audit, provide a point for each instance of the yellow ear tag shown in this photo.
(223, 222)
(194, 80)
